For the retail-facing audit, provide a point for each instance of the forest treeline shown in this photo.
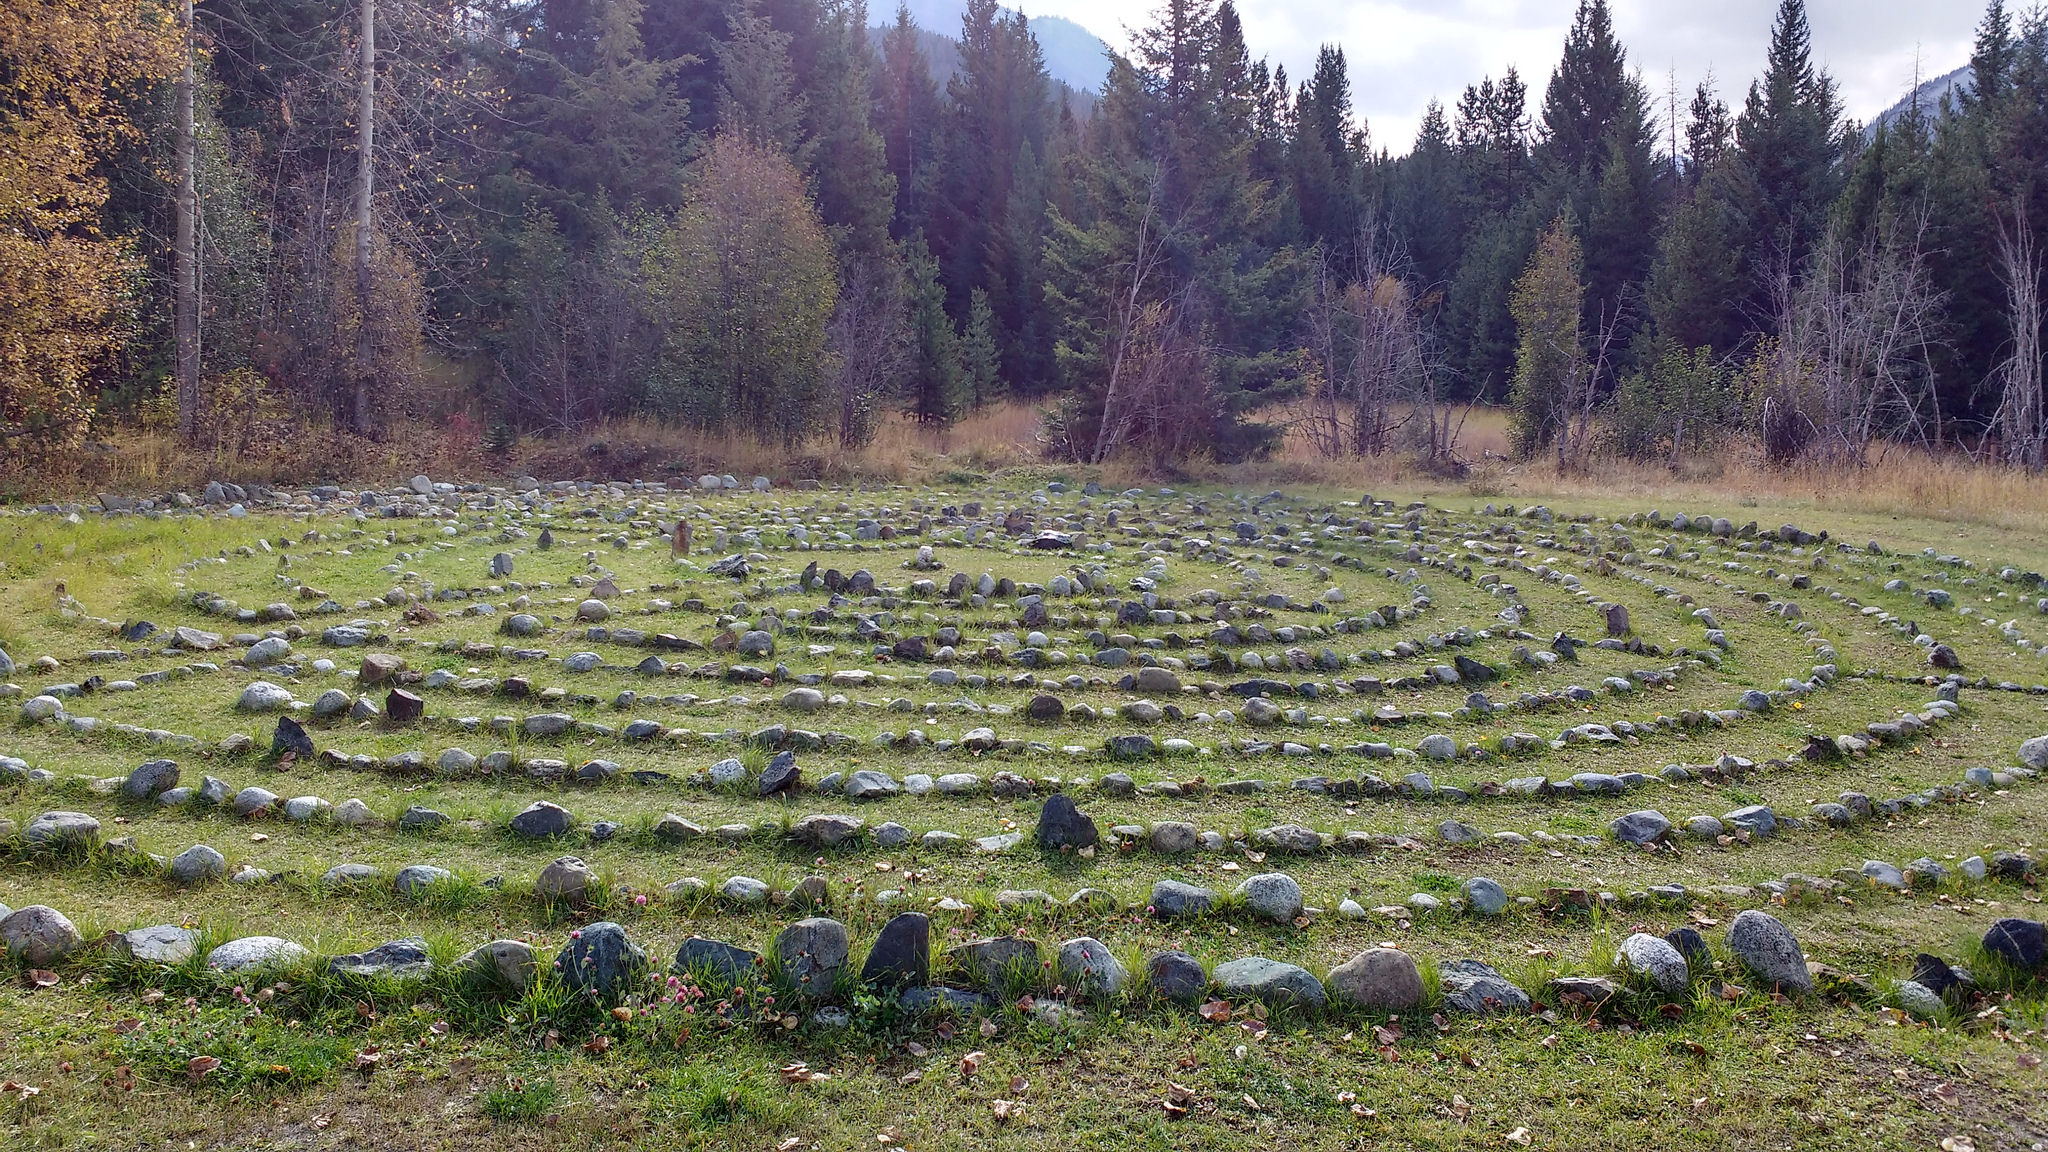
(766, 216)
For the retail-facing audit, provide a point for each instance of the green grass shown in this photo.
(457, 1060)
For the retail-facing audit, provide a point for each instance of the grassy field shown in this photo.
(97, 1051)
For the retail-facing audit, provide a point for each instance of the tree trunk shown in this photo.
(185, 254)
(366, 121)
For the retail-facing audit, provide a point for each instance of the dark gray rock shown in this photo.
(717, 962)
(599, 960)
(543, 819)
(1176, 976)
(2020, 943)
(901, 954)
(149, 779)
(398, 959)
(1061, 825)
(1172, 899)
(1645, 827)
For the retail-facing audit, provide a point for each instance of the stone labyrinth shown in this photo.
(946, 750)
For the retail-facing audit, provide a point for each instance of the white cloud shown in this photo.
(1404, 53)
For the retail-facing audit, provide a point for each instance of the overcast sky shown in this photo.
(1403, 53)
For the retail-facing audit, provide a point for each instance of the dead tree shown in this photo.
(2021, 430)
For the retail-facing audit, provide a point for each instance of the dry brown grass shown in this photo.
(1900, 481)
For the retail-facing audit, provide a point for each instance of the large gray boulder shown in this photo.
(38, 935)
(1377, 980)
(812, 952)
(1653, 959)
(1767, 950)
(1273, 896)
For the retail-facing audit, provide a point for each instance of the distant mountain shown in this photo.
(1927, 97)
(1073, 54)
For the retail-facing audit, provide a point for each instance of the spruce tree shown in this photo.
(1789, 140)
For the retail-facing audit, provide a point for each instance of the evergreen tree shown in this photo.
(908, 103)
(934, 392)
(981, 365)
(849, 170)
(988, 213)
(1326, 147)
(757, 94)
(1599, 161)
(1789, 140)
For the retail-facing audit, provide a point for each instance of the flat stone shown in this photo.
(1474, 987)
(1645, 827)
(1275, 983)
(55, 830)
(253, 952)
(1172, 899)
(414, 879)
(161, 944)
(724, 965)
(396, 959)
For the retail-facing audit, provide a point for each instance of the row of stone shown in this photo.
(811, 958)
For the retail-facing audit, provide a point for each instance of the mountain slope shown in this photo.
(1927, 97)
(1073, 55)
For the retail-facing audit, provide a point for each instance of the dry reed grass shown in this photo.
(1005, 438)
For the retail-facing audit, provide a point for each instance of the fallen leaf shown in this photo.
(917, 1050)
(989, 1029)
(1518, 1136)
(971, 1063)
(1947, 1094)
(2029, 1060)
(596, 1046)
(790, 1144)
(622, 1013)
(1004, 1109)
(1215, 1011)
(800, 1073)
(909, 1078)
(199, 1066)
(368, 1059)
(127, 1026)
(1958, 1144)
(42, 978)
(323, 1120)
(438, 1027)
